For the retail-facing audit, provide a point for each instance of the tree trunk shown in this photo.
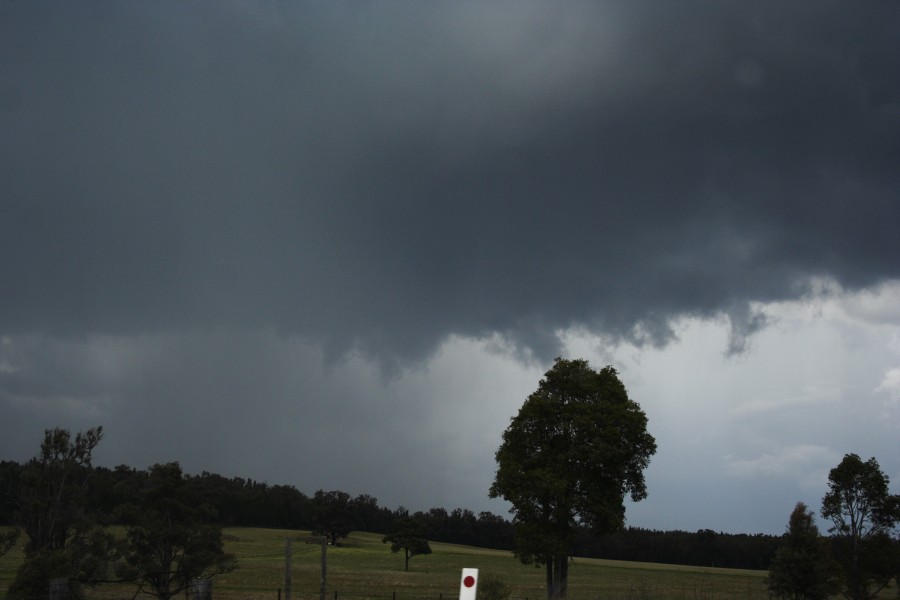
(855, 583)
(557, 577)
(562, 571)
(550, 590)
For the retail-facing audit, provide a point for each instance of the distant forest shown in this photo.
(242, 502)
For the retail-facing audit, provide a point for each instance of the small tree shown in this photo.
(862, 512)
(408, 534)
(578, 445)
(171, 537)
(800, 567)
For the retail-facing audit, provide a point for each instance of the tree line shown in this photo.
(90, 497)
(244, 502)
(240, 502)
(704, 548)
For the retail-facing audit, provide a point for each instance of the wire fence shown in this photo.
(70, 590)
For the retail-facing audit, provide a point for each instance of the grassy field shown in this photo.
(364, 568)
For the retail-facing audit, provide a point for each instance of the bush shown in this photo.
(35, 573)
(492, 587)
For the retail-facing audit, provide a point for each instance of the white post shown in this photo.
(468, 584)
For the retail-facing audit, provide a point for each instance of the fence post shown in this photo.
(201, 589)
(287, 569)
(322, 586)
(59, 589)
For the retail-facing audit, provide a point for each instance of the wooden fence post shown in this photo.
(59, 589)
(201, 589)
(287, 569)
(324, 567)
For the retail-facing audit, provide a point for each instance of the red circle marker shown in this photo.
(469, 581)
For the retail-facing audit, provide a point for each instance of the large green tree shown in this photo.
(800, 567)
(333, 515)
(64, 538)
(862, 512)
(578, 445)
(171, 535)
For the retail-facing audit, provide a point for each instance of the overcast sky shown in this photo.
(337, 244)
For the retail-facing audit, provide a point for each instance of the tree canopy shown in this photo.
(171, 536)
(64, 537)
(53, 486)
(577, 446)
(333, 515)
(800, 567)
(862, 512)
(409, 535)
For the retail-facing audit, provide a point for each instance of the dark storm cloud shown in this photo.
(379, 176)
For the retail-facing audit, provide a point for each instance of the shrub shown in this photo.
(492, 587)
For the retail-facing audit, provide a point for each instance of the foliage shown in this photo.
(462, 526)
(332, 515)
(240, 501)
(245, 502)
(85, 560)
(408, 534)
(64, 538)
(702, 548)
(36, 571)
(368, 516)
(171, 539)
(8, 540)
(51, 499)
(576, 447)
(800, 568)
(862, 513)
(10, 476)
(492, 587)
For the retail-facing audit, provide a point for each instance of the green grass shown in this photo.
(364, 568)
(8, 563)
